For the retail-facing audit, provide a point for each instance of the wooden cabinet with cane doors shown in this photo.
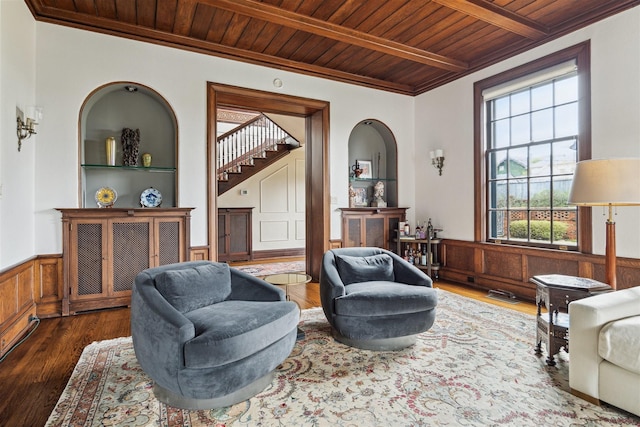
(234, 234)
(371, 226)
(104, 250)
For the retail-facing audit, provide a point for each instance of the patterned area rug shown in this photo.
(272, 268)
(475, 367)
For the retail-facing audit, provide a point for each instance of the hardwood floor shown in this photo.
(33, 376)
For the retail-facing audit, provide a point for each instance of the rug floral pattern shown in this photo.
(475, 367)
(272, 268)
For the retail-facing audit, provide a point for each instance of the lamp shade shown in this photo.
(605, 182)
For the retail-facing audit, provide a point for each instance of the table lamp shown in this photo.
(607, 182)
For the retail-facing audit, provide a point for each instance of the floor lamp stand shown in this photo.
(610, 251)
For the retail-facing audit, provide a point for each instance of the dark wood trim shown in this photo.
(581, 54)
(18, 303)
(514, 50)
(48, 285)
(335, 244)
(187, 25)
(507, 267)
(278, 253)
(583, 57)
(309, 24)
(199, 253)
(316, 160)
(498, 16)
(236, 234)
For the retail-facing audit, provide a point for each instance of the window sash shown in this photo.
(527, 184)
(581, 54)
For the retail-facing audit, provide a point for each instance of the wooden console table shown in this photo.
(555, 292)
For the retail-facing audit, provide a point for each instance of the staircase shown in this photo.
(249, 148)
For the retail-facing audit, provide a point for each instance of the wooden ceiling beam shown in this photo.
(278, 16)
(184, 17)
(131, 31)
(500, 17)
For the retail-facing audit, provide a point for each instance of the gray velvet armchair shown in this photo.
(374, 299)
(209, 335)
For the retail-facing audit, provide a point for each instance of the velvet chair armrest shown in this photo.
(152, 310)
(331, 285)
(159, 332)
(409, 274)
(246, 287)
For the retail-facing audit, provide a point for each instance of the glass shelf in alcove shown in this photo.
(354, 179)
(136, 168)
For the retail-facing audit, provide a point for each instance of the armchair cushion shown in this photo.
(382, 298)
(225, 334)
(191, 288)
(355, 269)
(619, 343)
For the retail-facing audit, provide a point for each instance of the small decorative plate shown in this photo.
(150, 198)
(106, 197)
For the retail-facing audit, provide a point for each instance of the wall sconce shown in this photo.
(26, 128)
(437, 159)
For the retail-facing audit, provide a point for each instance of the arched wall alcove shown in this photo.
(105, 113)
(372, 141)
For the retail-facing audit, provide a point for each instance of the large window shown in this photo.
(530, 140)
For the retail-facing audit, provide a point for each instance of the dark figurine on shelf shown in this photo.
(356, 170)
(130, 146)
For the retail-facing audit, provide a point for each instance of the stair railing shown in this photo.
(253, 139)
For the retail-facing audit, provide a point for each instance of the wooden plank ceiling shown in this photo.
(403, 46)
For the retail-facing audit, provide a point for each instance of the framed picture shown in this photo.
(360, 198)
(367, 171)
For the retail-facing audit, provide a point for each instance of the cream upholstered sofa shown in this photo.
(604, 362)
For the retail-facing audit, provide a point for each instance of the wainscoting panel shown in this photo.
(17, 304)
(274, 231)
(49, 285)
(300, 230)
(542, 265)
(200, 253)
(335, 244)
(503, 265)
(272, 197)
(300, 186)
(460, 257)
(498, 266)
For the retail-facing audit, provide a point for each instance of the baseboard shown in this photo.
(278, 253)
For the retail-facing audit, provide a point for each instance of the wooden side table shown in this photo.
(555, 292)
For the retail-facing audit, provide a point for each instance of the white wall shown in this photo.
(71, 63)
(277, 195)
(444, 119)
(17, 89)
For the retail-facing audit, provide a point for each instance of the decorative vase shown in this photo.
(110, 146)
(146, 160)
